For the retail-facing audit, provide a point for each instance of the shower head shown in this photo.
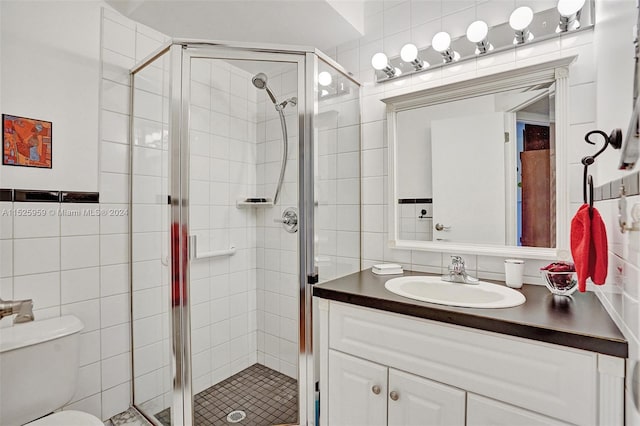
(260, 81)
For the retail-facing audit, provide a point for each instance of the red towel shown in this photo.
(599, 257)
(589, 247)
(581, 244)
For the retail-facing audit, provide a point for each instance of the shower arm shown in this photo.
(285, 149)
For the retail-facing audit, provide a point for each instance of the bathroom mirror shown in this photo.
(473, 166)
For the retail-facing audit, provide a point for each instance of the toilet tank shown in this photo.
(39, 363)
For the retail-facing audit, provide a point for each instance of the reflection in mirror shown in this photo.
(479, 170)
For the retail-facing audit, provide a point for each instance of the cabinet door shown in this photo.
(483, 411)
(357, 391)
(414, 401)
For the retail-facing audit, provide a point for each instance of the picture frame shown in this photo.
(27, 142)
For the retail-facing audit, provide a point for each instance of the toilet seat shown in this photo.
(67, 418)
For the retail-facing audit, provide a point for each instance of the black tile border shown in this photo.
(79, 197)
(6, 194)
(35, 196)
(415, 200)
(611, 190)
(43, 196)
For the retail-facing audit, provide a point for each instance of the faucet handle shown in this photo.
(25, 312)
(23, 309)
(457, 260)
(457, 264)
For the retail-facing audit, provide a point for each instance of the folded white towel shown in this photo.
(387, 269)
(383, 266)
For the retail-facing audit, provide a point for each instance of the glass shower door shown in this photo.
(244, 278)
(337, 173)
(150, 224)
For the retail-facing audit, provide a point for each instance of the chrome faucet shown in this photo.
(457, 272)
(22, 308)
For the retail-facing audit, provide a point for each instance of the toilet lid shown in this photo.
(68, 418)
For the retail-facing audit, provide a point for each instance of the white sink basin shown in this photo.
(433, 290)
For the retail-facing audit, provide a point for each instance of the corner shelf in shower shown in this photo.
(254, 202)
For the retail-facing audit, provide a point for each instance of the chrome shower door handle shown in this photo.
(441, 227)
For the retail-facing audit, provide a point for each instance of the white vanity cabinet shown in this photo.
(364, 393)
(382, 368)
(415, 401)
(357, 391)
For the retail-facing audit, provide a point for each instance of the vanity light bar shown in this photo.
(477, 33)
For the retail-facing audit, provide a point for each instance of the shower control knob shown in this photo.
(289, 220)
(376, 389)
(394, 395)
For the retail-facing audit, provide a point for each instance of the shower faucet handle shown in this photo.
(289, 220)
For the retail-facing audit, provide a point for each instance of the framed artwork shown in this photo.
(26, 142)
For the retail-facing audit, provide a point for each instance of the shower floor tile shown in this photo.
(265, 395)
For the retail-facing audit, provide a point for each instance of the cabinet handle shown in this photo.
(394, 396)
(376, 389)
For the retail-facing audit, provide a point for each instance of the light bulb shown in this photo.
(324, 78)
(569, 7)
(409, 52)
(477, 31)
(379, 61)
(521, 18)
(441, 41)
(398, 71)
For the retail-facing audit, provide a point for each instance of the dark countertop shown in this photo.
(578, 322)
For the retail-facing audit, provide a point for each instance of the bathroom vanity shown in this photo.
(389, 360)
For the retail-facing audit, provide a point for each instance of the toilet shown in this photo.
(39, 361)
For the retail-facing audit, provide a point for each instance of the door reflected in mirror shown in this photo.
(479, 170)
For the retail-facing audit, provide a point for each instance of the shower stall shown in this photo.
(237, 154)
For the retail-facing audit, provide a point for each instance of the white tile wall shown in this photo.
(276, 256)
(612, 42)
(412, 226)
(102, 241)
(124, 44)
(70, 262)
(222, 322)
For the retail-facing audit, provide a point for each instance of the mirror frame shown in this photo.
(548, 72)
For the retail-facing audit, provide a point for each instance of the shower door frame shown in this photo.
(180, 53)
(226, 53)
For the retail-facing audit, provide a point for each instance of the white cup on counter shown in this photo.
(514, 272)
